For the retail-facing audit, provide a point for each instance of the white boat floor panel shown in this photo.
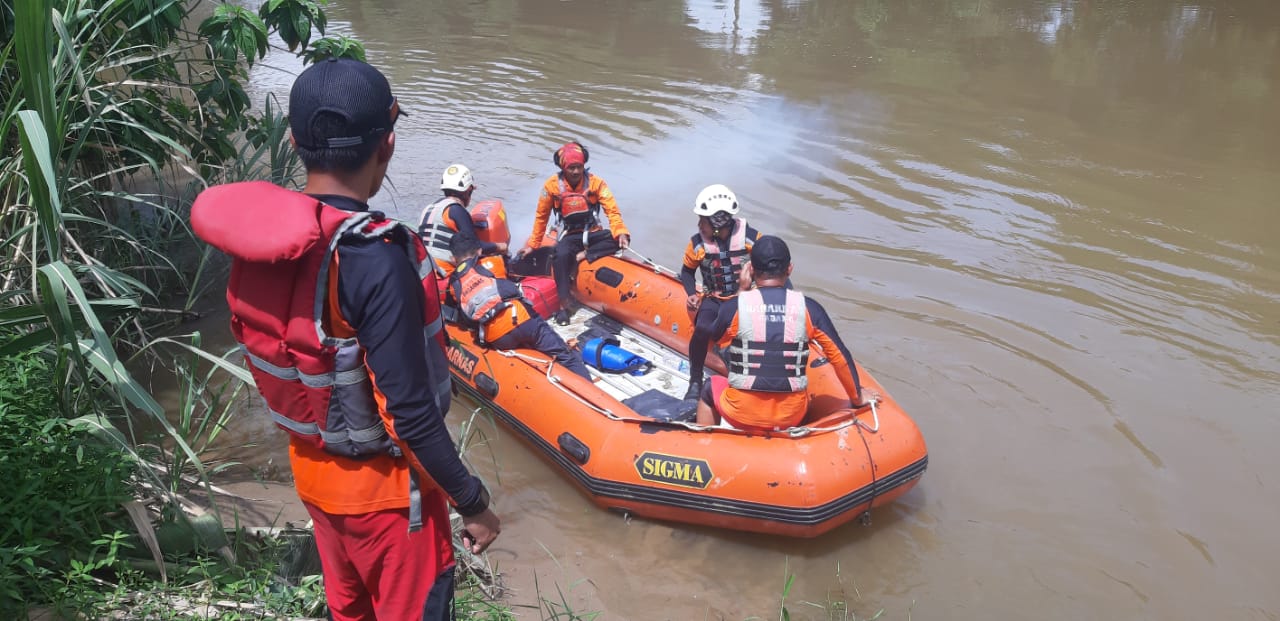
(670, 368)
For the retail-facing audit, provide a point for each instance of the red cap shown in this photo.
(571, 154)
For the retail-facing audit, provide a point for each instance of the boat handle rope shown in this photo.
(657, 268)
(555, 381)
(797, 432)
(875, 418)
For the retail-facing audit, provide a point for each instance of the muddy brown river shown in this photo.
(1049, 228)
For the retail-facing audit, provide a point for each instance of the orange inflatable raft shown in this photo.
(630, 443)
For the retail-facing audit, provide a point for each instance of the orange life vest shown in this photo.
(478, 296)
(575, 208)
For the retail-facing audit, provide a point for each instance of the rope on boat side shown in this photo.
(657, 268)
(799, 432)
(865, 518)
(555, 381)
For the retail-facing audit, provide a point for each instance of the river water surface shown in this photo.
(1049, 228)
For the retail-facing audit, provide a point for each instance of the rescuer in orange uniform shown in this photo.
(576, 197)
(441, 220)
(495, 306)
(719, 250)
(765, 334)
(337, 310)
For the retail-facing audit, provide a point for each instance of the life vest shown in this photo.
(721, 266)
(480, 301)
(315, 384)
(437, 230)
(770, 352)
(576, 214)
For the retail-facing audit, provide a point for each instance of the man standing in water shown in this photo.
(343, 339)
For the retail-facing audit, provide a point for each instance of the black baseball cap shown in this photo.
(464, 244)
(351, 90)
(770, 255)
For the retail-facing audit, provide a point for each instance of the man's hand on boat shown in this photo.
(694, 301)
(624, 241)
(480, 530)
(868, 395)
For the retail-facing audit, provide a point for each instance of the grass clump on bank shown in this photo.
(63, 517)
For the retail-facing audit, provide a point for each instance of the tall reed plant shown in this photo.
(111, 111)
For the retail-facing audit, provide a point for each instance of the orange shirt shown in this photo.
(344, 486)
(597, 191)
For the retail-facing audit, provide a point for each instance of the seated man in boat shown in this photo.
(576, 197)
(504, 318)
(719, 250)
(441, 220)
(766, 336)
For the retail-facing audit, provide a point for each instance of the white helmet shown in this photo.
(715, 198)
(458, 178)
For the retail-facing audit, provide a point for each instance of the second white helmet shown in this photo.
(715, 198)
(458, 178)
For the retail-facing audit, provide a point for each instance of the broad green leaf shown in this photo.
(34, 23)
(41, 181)
(53, 298)
(302, 28)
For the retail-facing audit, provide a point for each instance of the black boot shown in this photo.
(695, 391)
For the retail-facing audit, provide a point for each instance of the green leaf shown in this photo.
(236, 370)
(123, 284)
(39, 338)
(248, 45)
(41, 181)
(302, 28)
(92, 424)
(34, 23)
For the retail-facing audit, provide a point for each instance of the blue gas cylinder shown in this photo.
(606, 355)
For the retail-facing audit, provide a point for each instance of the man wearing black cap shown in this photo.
(343, 338)
(765, 336)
